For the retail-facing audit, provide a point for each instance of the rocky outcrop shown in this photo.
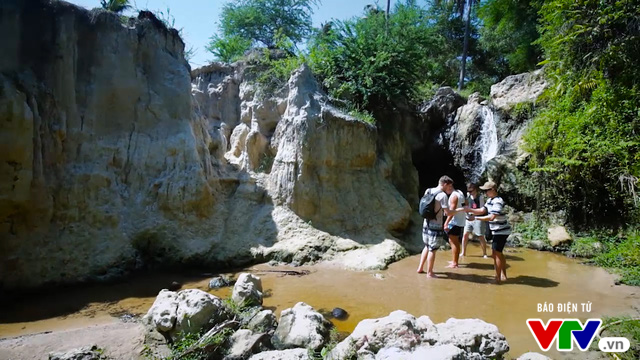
(247, 290)
(402, 335)
(558, 236)
(110, 150)
(289, 354)
(301, 326)
(533, 356)
(471, 137)
(484, 137)
(187, 311)
(84, 353)
(518, 89)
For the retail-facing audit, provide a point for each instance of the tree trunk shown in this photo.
(388, 6)
(465, 46)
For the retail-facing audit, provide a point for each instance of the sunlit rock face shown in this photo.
(115, 157)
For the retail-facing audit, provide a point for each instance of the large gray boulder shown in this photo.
(84, 353)
(438, 352)
(247, 291)
(558, 236)
(289, 354)
(187, 311)
(471, 335)
(399, 330)
(301, 326)
(517, 89)
(263, 321)
(533, 356)
(402, 335)
(244, 343)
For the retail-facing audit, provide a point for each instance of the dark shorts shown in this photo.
(499, 241)
(455, 230)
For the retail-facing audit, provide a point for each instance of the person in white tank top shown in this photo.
(454, 225)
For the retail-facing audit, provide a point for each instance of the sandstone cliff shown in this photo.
(113, 160)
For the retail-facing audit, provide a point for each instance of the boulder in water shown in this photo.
(247, 290)
(339, 313)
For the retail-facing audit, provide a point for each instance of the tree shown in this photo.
(372, 63)
(262, 21)
(117, 6)
(228, 49)
(468, 4)
(510, 30)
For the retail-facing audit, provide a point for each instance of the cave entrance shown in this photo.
(432, 161)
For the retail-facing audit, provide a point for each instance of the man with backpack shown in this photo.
(434, 205)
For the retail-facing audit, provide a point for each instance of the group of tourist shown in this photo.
(457, 217)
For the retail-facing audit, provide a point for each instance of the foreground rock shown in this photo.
(533, 356)
(301, 326)
(187, 311)
(84, 353)
(401, 334)
(247, 291)
(558, 236)
(119, 341)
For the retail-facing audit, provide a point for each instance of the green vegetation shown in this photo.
(533, 229)
(622, 256)
(117, 6)
(510, 28)
(368, 61)
(246, 23)
(585, 143)
(272, 69)
(185, 347)
(622, 327)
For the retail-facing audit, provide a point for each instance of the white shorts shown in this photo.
(476, 227)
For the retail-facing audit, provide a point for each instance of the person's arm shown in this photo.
(496, 208)
(489, 217)
(453, 209)
(478, 212)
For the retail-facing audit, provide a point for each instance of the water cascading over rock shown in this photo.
(471, 136)
(483, 137)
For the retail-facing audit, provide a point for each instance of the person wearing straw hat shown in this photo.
(493, 212)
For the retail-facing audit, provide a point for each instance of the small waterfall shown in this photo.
(488, 142)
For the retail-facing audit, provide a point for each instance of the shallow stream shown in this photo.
(468, 292)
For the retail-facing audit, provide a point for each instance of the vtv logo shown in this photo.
(564, 330)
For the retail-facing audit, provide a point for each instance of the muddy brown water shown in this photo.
(467, 292)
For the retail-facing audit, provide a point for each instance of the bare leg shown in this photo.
(465, 242)
(483, 244)
(497, 261)
(423, 258)
(503, 260)
(431, 259)
(455, 250)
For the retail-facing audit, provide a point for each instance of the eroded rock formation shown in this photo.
(112, 159)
